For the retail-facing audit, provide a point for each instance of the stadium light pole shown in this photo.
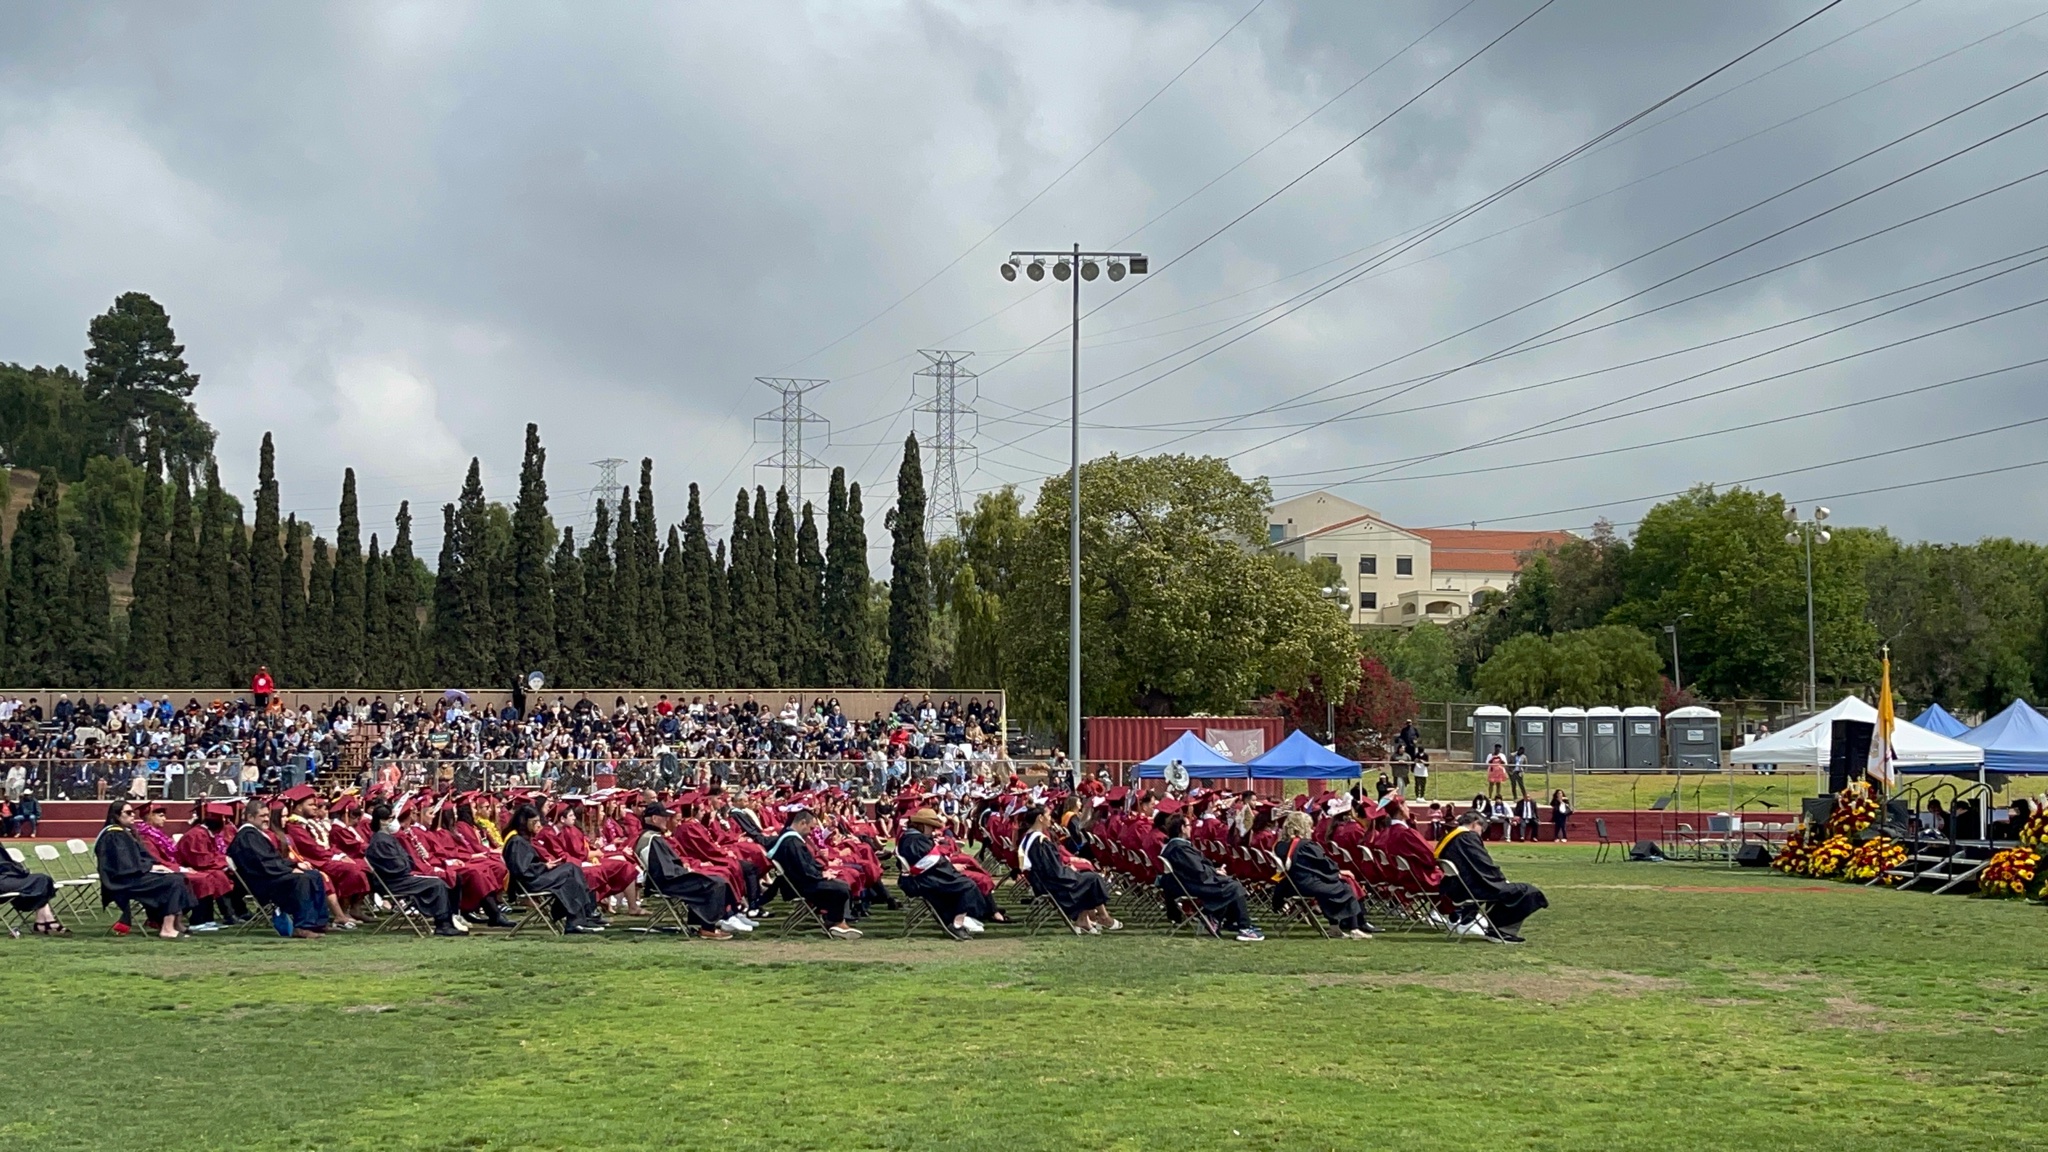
(1075, 266)
(1677, 681)
(1807, 533)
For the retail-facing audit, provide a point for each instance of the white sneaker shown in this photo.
(972, 925)
(461, 923)
(843, 933)
(733, 926)
(209, 926)
(749, 921)
(1359, 934)
(1469, 928)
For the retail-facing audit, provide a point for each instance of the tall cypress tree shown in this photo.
(743, 645)
(675, 609)
(186, 583)
(718, 613)
(292, 606)
(533, 595)
(37, 590)
(478, 639)
(656, 659)
(211, 636)
(375, 611)
(86, 625)
(242, 657)
(601, 649)
(402, 608)
(570, 668)
(810, 561)
(767, 625)
(319, 626)
(148, 656)
(628, 588)
(861, 669)
(264, 558)
(834, 618)
(789, 653)
(447, 631)
(910, 595)
(348, 588)
(695, 658)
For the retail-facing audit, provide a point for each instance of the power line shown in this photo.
(947, 407)
(793, 418)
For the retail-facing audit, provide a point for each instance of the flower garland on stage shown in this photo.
(2012, 872)
(1874, 859)
(1855, 810)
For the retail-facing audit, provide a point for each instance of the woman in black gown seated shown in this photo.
(129, 876)
(1081, 895)
(563, 881)
(31, 893)
(1315, 876)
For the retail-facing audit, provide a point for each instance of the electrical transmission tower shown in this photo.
(607, 490)
(793, 417)
(952, 397)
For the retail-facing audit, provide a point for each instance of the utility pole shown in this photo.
(1076, 266)
(946, 406)
(791, 417)
(1809, 533)
(605, 492)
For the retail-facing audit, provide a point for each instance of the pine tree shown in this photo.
(600, 650)
(86, 624)
(742, 644)
(402, 608)
(675, 608)
(37, 590)
(264, 558)
(718, 614)
(628, 586)
(767, 626)
(570, 668)
(657, 655)
(375, 612)
(809, 602)
(861, 670)
(347, 629)
(478, 638)
(292, 606)
(533, 594)
(696, 659)
(148, 656)
(447, 633)
(910, 596)
(789, 654)
(186, 583)
(242, 658)
(211, 633)
(319, 670)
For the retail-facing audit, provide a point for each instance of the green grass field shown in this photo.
(1657, 1006)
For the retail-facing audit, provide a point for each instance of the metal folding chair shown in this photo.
(74, 892)
(1292, 906)
(801, 911)
(403, 911)
(1482, 910)
(1606, 843)
(530, 908)
(919, 912)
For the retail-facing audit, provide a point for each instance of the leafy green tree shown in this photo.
(675, 602)
(376, 616)
(265, 558)
(533, 593)
(788, 595)
(403, 576)
(113, 487)
(1180, 612)
(348, 587)
(718, 588)
(139, 387)
(910, 604)
(766, 625)
(147, 659)
(599, 606)
(292, 606)
(843, 596)
(85, 625)
(319, 649)
(1965, 621)
(654, 666)
(38, 591)
(978, 646)
(46, 423)
(571, 666)
(187, 600)
(242, 655)
(623, 624)
(697, 651)
(1424, 656)
(806, 623)
(862, 642)
(474, 660)
(211, 636)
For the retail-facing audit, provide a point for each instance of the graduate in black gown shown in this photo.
(792, 854)
(128, 875)
(1479, 878)
(31, 893)
(1083, 896)
(1317, 877)
(1222, 898)
(925, 873)
(564, 882)
(294, 887)
(708, 900)
(392, 864)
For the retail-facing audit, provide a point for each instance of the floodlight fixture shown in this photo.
(1036, 269)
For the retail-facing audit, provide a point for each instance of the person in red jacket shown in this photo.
(261, 686)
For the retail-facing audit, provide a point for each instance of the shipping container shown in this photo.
(1128, 739)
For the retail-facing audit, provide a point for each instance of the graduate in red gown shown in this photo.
(478, 873)
(476, 885)
(1400, 841)
(307, 828)
(207, 888)
(563, 840)
(698, 847)
(202, 850)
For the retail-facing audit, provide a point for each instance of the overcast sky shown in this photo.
(392, 234)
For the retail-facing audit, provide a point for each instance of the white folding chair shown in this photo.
(73, 891)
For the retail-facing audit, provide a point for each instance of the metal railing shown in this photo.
(560, 776)
(100, 778)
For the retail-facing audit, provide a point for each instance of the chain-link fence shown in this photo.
(103, 779)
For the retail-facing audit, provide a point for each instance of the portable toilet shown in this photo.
(1603, 740)
(1568, 738)
(1490, 726)
(1532, 734)
(1640, 743)
(1695, 735)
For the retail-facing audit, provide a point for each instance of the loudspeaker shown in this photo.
(1753, 856)
(1848, 752)
(1646, 850)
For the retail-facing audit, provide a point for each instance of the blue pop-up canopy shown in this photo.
(2014, 742)
(1938, 721)
(1199, 759)
(1300, 758)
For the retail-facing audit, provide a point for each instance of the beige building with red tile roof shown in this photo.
(1395, 575)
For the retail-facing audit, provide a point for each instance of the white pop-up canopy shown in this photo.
(1806, 743)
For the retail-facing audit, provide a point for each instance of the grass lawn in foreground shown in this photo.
(1657, 1006)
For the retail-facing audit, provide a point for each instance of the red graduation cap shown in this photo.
(1169, 806)
(297, 793)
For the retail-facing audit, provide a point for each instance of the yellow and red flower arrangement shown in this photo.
(1873, 858)
(2012, 872)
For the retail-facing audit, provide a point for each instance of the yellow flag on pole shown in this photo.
(1880, 766)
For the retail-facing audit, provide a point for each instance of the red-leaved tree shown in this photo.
(1367, 719)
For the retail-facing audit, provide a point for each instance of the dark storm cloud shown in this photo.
(394, 233)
